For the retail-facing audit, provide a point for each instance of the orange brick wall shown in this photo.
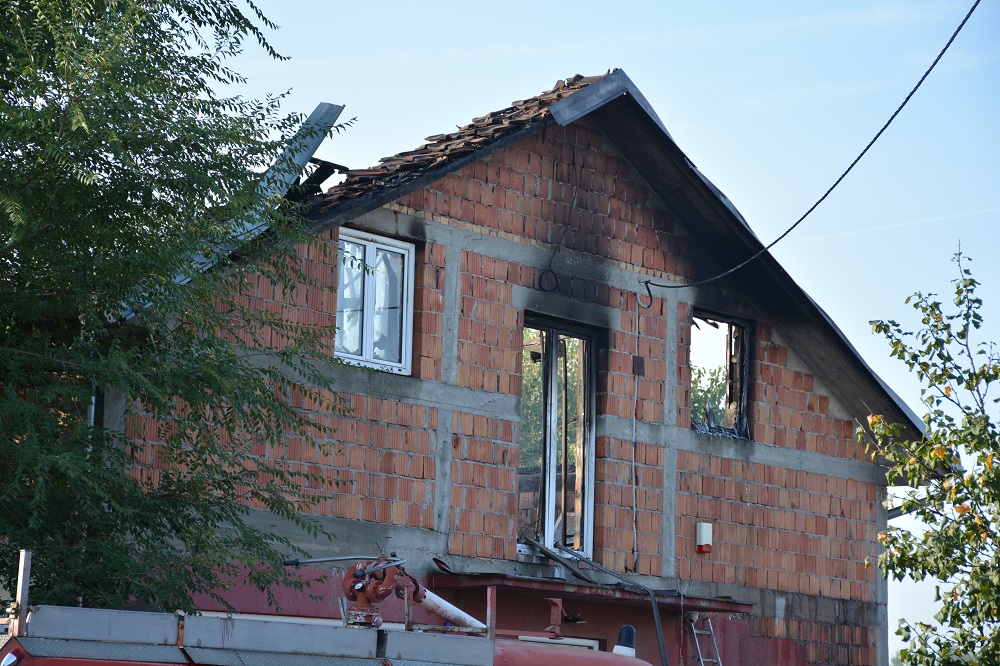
(614, 525)
(489, 329)
(788, 410)
(776, 528)
(785, 530)
(383, 464)
(428, 311)
(527, 191)
(616, 383)
(566, 191)
(483, 487)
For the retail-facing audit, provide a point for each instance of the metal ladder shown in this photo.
(697, 633)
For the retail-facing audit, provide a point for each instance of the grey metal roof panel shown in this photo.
(265, 635)
(84, 649)
(598, 93)
(216, 657)
(102, 625)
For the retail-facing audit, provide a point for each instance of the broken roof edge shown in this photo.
(597, 94)
(273, 182)
(350, 209)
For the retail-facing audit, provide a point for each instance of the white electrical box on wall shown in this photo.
(703, 535)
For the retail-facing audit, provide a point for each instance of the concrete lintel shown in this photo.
(480, 241)
(734, 449)
(557, 305)
(423, 392)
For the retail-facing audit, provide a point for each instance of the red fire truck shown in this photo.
(61, 636)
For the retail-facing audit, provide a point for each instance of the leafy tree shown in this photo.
(708, 387)
(122, 174)
(953, 474)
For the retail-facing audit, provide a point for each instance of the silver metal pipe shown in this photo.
(448, 611)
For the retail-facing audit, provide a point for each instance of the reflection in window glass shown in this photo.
(350, 299)
(388, 306)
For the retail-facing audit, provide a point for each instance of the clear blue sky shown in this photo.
(771, 100)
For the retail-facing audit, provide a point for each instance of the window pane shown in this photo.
(718, 377)
(709, 361)
(388, 306)
(350, 299)
(569, 441)
(530, 469)
(552, 490)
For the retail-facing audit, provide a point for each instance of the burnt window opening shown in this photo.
(556, 471)
(720, 360)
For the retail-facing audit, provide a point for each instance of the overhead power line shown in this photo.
(650, 283)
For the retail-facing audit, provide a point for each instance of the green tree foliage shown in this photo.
(121, 172)
(708, 387)
(954, 477)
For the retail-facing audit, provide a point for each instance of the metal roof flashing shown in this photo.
(599, 93)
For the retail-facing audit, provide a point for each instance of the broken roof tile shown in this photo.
(440, 149)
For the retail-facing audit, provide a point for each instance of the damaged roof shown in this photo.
(442, 150)
(614, 104)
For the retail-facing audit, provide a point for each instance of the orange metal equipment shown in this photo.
(60, 636)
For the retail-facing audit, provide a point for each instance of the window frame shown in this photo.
(547, 492)
(741, 427)
(372, 243)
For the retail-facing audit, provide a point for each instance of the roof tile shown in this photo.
(441, 149)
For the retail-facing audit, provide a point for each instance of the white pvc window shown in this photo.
(556, 471)
(375, 302)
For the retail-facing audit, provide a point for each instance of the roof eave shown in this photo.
(812, 334)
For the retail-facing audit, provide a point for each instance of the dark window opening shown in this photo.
(720, 358)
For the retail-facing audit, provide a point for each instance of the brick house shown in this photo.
(523, 372)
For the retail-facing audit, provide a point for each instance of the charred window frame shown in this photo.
(558, 402)
(720, 361)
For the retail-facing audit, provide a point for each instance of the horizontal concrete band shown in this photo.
(787, 605)
(426, 393)
(682, 439)
(470, 238)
